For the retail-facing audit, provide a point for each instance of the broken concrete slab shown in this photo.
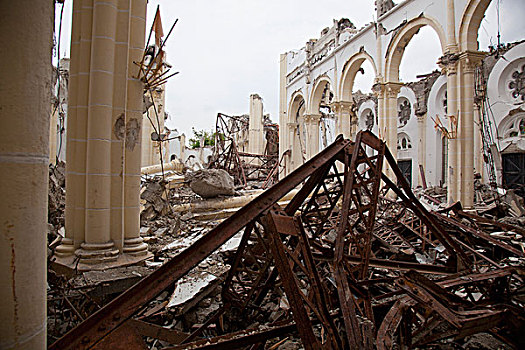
(209, 183)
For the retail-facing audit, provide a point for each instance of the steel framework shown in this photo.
(357, 268)
(242, 166)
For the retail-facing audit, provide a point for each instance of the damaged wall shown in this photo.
(336, 57)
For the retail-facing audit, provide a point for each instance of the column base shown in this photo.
(135, 246)
(66, 248)
(96, 253)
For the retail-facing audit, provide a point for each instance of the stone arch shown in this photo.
(296, 103)
(317, 94)
(397, 45)
(470, 22)
(349, 72)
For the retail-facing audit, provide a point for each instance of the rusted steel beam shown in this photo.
(403, 265)
(412, 203)
(238, 339)
(479, 234)
(304, 325)
(158, 332)
(501, 225)
(107, 319)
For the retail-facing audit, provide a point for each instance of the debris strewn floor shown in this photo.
(353, 260)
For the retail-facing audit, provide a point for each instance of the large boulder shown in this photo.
(209, 183)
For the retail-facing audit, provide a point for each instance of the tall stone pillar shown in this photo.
(452, 45)
(379, 91)
(284, 140)
(290, 160)
(133, 243)
(312, 134)
(422, 142)
(449, 64)
(255, 128)
(25, 98)
(468, 61)
(391, 91)
(98, 245)
(104, 130)
(478, 145)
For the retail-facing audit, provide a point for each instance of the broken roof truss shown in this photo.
(350, 281)
(243, 166)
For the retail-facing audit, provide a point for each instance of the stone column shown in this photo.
(97, 245)
(379, 91)
(478, 145)
(449, 64)
(133, 243)
(284, 140)
(391, 91)
(468, 61)
(342, 110)
(452, 45)
(422, 142)
(25, 98)
(255, 129)
(288, 160)
(80, 53)
(312, 134)
(105, 118)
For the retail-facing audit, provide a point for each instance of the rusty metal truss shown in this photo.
(230, 132)
(357, 268)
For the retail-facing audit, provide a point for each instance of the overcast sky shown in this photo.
(226, 50)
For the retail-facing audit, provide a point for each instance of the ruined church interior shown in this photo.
(369, 211)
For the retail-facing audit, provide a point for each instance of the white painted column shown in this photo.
(452, 116)
(468, 60)
(391, 91)
(255, 128)
(312, 134)
(478, 145)
(290, 160)
(421, 147)
(284, 140)
(25, 90)
(379, 91)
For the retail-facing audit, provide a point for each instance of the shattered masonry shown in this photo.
(341, 264)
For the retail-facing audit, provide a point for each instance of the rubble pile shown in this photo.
(351, 261)
(56, 200)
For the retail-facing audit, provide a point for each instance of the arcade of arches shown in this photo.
(431, 123)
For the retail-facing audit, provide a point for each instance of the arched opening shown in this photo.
(412, 58)
(414, 64)
(297, 133)
(511, 27)
(359, 74)
(425, 31)
(470, 24)
(320, 130)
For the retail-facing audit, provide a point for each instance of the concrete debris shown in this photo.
(435, 276)
(209, 183)
(56, 201)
